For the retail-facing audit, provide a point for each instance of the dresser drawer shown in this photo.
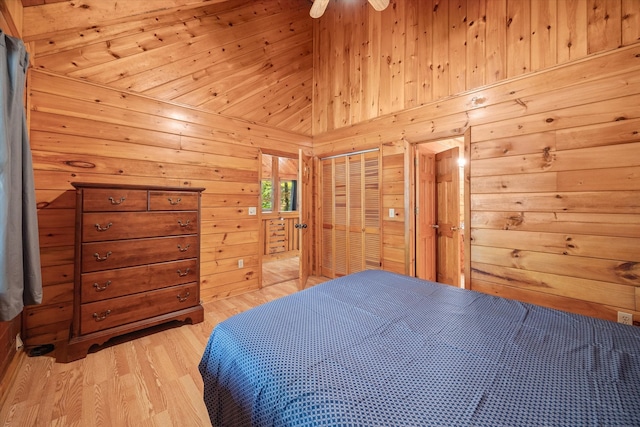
(173, 201)
(107, 284)
(135, 225)
(97, 316)
(98, 256)
(113, 199)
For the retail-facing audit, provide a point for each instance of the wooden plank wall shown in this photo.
(395, 231)
(11, 17)
(554, 169)
(555, 204)
(249, 59)
(86, 132)
(370, 64)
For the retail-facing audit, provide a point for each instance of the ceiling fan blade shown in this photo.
(318, 8)
(378, 4)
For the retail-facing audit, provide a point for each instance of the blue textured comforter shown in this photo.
(381, 349)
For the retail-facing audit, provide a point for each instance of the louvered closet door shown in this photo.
(350, 239)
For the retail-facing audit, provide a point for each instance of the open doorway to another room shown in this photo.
(280, 205)
(440, 207)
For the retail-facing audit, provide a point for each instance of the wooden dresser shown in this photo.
(137, 257)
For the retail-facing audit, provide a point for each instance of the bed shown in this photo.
(381, 349)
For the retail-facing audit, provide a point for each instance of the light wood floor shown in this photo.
(281, 270)
(152, 380)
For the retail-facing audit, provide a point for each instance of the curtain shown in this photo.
(20, 275)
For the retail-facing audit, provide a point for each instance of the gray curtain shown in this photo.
(20, 276)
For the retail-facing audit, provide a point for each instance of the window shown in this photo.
(266, 191)
(288, 195)
(279, 185)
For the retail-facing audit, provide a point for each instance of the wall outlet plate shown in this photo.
(625, 318)
(252, 210)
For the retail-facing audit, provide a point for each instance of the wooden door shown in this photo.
(305, 220)
(448, 217)
(350, 214)
(426, 214)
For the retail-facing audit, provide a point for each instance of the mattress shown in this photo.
(381, 349)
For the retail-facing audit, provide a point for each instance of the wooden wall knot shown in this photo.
(548, 157)
(629, 270)
(478, 100)
(79, 164)
(514, 220)
(569, 244)
(81, 6)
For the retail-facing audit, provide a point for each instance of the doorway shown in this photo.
(440, 207)
(280, 213)
(286, 217)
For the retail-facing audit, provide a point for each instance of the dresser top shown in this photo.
(134, 187)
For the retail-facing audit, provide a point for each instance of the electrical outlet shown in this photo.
(252, 210)
(240, 263)
(625, 318)
(392, 213)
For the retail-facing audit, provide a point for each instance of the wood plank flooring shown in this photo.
(152, 380)
(280, 270)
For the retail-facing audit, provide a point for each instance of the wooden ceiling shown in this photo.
(240, 58)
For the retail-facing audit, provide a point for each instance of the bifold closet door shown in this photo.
(350, 238)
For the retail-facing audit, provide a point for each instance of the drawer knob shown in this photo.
(104, 258)
(184, 224)
(105, 228)
(102, 288)
(183, 298)
(181, 249)
(174, 202)
(117, 202)
(100, 317)
(181, 274)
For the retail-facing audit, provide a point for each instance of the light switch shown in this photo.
(252, 210)
(392, 213)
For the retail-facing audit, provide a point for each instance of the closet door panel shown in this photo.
(350, 238)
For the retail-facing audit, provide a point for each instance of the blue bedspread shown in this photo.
(381, 349)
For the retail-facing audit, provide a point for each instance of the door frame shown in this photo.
(466, 232)
(305, 215)
(261, 242)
